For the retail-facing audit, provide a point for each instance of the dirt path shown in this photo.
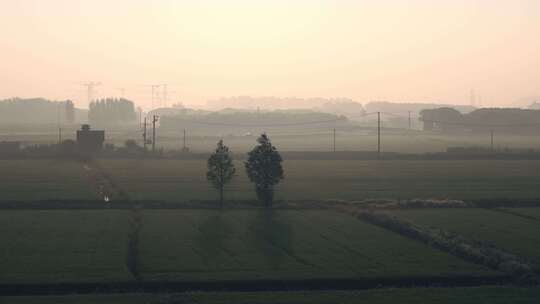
(104, 186)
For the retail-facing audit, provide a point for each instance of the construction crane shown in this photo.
(90, 89)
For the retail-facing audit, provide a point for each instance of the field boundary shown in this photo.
(312, 155)
(507, 211)
(365, 204)
(249, 285)
(469, 250)
(102, 183)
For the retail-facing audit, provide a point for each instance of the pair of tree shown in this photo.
(263, 167)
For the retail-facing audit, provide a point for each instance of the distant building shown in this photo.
(90, 141)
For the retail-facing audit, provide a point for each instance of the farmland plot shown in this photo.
(24, 180)
(512, 233)
(251, 244)
(175, 180)
(63, 246)
(533, 213)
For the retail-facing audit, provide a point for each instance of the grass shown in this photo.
(63, 246)
(299, 140)
(513, 233)
(478, 295)
(527, 212)
(52, 246)
(30, 180)
(175, 180)
(285, 244)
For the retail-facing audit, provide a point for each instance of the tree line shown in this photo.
(111, 111)
(503, 120)
(36, 111)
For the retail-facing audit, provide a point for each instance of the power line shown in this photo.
(481, 124)
(256, 125)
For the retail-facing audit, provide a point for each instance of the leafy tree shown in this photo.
(220, 168)
(111, 111)
(264, 169)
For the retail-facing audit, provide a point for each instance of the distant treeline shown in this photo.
(390, 111)
(413, 107)
(111, 111)
(240, 122)
(482, 120)
(39, 111)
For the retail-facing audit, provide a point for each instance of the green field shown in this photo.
(478, 295)
(513, 233)
(527, 212)
(22, 180)
(63, 246)
(176, 180)
(401, 141)
(85, 245)
(248, 244)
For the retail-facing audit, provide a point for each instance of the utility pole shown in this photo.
(184, 148)
(378, 134)
(140, 118)
(334, 140)
(154, 120)
(492, 148)
(410, 120)
(59, 135)
(144, 134)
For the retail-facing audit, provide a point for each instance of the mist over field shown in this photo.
(270, 151)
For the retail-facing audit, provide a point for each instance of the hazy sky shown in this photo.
(422, 50)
